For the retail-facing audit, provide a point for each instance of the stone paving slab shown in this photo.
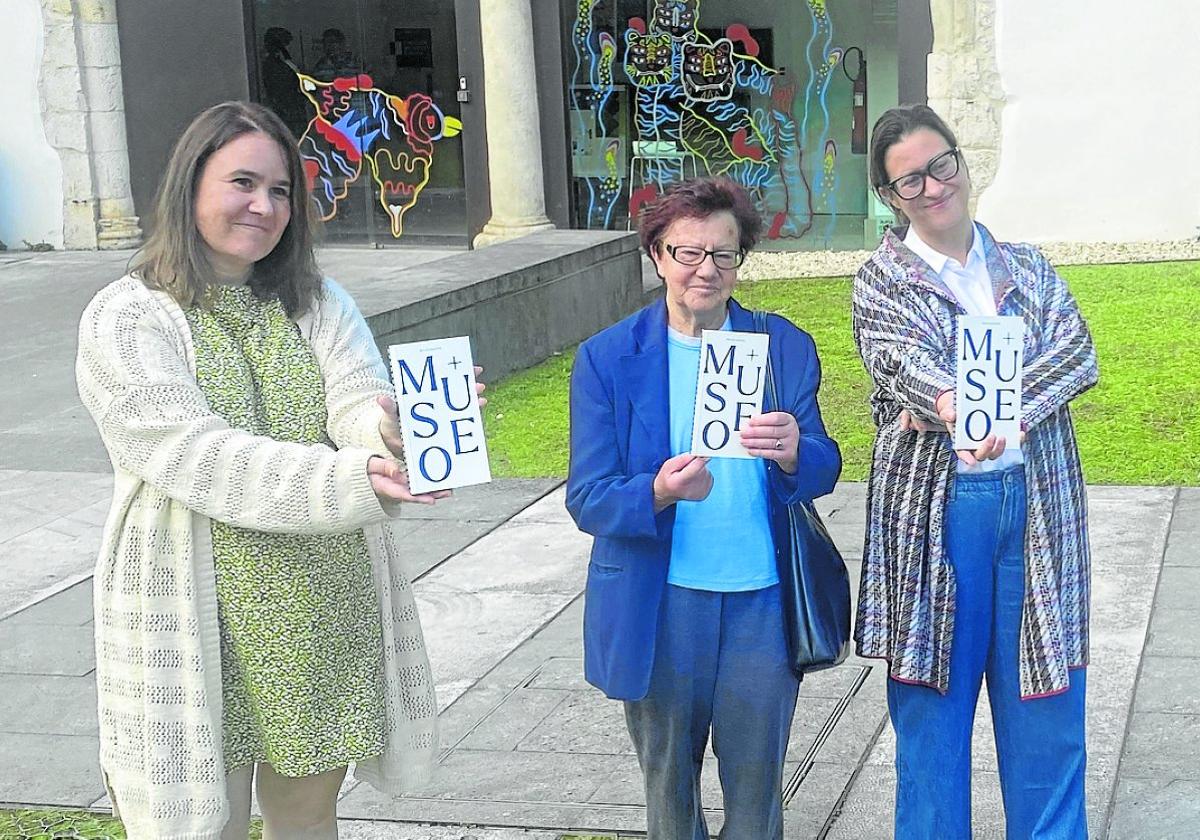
(50, 524)
(1174, 633)
(71, 607)
(48, 705)
(1154, 809)
(1157, 791)
(1163, 745)
(489, 598)
(40, 769)
(46, 649)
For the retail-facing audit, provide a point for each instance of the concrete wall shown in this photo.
(1099, 121)
(519, 301)
(31, 175)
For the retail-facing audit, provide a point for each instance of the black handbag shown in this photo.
(813, 583)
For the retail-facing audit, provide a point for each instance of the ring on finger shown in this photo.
(778, 443)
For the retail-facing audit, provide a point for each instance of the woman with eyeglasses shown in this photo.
(683, 619)
(976, 562)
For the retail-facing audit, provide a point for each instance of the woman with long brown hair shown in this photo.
(252, 617)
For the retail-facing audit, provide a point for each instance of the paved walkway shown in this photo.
(529, 750)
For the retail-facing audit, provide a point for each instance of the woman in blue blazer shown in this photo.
(683, 619)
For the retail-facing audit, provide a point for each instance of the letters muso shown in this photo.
(439, 415)
(989, 361)
(729, 391)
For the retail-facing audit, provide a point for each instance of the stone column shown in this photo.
(964, 82)
(84, 116)
(513, 125)
(100, 65)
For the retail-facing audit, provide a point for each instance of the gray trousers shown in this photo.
(720, 662)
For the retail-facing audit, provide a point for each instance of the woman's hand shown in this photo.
(684, 477)
(774, 436)
(479, 388)
(389, 425)
(390, 483)
(992, 446)
(909, 422)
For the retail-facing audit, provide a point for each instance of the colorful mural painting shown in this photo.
(702, 104)
(354, 123)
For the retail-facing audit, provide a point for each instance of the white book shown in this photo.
(988, 392)
(440, 422)
(733, 372)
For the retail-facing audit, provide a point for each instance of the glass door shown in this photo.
(368, 89)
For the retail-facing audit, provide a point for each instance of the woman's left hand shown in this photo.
(389, 426)
(774, 436)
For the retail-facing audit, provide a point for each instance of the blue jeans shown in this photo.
(1039, 742)
(720, 661)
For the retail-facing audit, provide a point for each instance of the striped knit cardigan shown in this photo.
(176, 466)
(905, 324)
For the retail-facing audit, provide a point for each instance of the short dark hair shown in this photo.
(700, 198)
(173, 258)
(894, 125)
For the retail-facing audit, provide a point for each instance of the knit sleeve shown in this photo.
(355, 374)
(156, 424)
(898, 345)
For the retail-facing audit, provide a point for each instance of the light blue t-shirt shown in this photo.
(723, 543)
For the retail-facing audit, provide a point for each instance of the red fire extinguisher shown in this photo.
(858, 112)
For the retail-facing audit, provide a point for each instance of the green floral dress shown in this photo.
(301, 639)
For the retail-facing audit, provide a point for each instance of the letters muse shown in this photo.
(419, 386)
(1004, 396)
(717, 390)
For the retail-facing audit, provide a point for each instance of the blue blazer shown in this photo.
(620, 437)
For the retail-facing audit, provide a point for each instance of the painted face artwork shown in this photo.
(943, 206)
(357, 127)
(677, 17)
(648, 58)
(708, 71)
(703, 289)
(243, 203)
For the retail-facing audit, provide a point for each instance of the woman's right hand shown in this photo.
(992, 446)
(684, 477)
(390, 483)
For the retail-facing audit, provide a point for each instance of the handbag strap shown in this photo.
(772, 401)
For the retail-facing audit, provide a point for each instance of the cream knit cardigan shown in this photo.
(177, 465)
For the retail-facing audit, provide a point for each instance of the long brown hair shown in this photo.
(173, 258)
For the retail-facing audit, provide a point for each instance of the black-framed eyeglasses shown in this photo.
(694, 255)
(942, 167)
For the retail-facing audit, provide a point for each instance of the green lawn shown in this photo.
(1140, 425)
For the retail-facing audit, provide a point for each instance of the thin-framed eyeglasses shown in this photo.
(941, 167)
(694, 255)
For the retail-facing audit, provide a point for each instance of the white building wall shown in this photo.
(31, 176)
(1100, 123)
